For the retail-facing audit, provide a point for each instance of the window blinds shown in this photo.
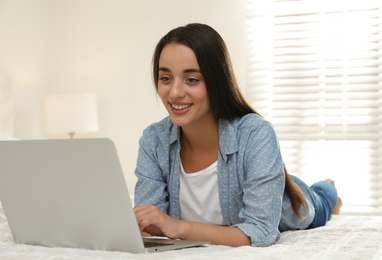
(315, 71)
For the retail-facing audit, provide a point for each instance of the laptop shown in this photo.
(71, 193)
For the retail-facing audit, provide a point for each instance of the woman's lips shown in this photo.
(180, 109)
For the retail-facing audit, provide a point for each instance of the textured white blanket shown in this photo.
(344, 237)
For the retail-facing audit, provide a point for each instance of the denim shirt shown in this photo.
(250, 174)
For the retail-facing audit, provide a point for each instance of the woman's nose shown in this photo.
(177, 89)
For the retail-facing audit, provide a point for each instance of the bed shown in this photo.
(344, 237)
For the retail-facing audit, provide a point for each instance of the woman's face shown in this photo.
(181, 86)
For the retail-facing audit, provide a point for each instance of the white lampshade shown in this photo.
(71, 114)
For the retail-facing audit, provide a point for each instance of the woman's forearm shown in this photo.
(217, 235)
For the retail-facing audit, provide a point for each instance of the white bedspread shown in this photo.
(345, 237)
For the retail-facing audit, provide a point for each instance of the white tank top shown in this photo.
(199, 196)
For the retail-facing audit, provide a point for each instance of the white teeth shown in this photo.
(179, 107)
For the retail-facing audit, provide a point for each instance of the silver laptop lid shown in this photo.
(69, 193)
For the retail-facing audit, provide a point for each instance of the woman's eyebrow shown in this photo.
(191, 71)
(164, 69)
(184, 71)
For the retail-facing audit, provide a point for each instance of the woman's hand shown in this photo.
(155, 222)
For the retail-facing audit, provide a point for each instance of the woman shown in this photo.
(212, 170)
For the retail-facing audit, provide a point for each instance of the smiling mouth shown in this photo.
(180, 107)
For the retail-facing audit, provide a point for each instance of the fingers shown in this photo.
(148, 215)
(154, 221)
(145, 234)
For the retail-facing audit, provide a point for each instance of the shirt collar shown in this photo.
(174, 134)
(228, 143)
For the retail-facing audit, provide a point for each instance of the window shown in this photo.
(315, 71)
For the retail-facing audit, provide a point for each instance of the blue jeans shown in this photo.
(323, 196)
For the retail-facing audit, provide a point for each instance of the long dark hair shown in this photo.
(224, 94)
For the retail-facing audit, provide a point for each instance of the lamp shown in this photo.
(71, 114)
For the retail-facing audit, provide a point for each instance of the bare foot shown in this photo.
(337, 207)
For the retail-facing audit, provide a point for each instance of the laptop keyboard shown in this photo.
(155, 244)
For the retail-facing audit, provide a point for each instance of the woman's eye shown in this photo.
(192, 80)
(164, 79)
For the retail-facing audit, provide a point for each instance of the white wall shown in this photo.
(25, 56)
(105, 47)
